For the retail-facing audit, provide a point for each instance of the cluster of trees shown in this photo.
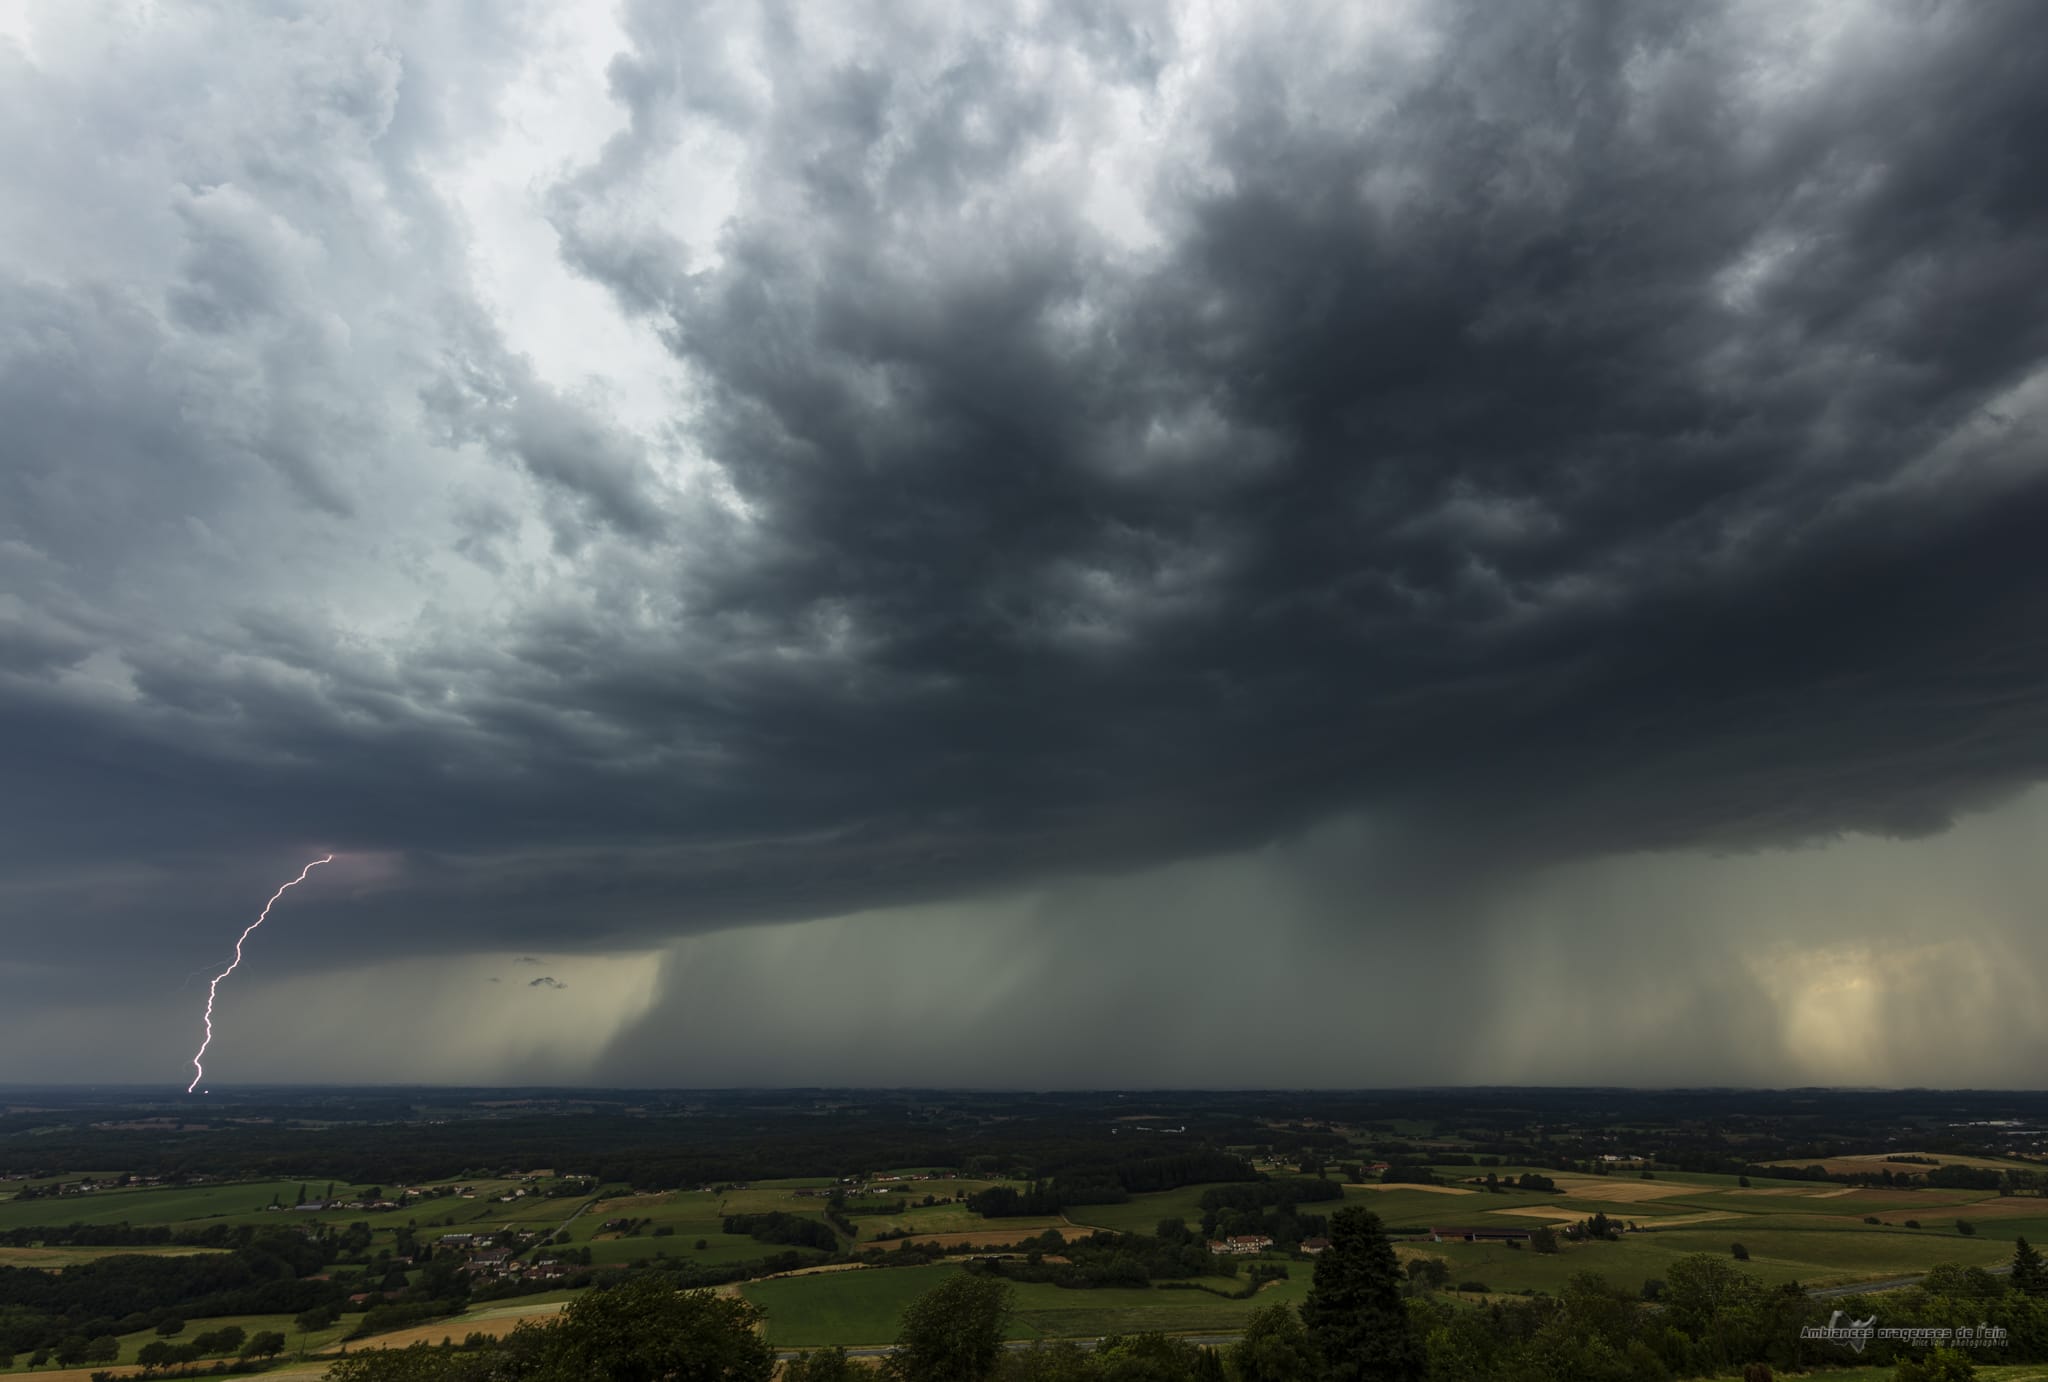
(231, 1341)
(1599, 1228)
(1091, 1181)
(739, 1138)
(1268, 1207)
(270, 1274)
(74, 1349)
(1107, 1259)
(643, 1328)
(1268, 1193)
(125, 1235)
(1710, 1318)
(385, 1316)
(1041, 1197)
(1953, 1177)
(794, 1230)
(1148, 1174)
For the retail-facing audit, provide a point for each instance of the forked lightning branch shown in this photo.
(199, 1070)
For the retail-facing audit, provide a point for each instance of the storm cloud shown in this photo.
(619, 475)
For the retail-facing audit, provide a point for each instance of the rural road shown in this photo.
(558, 1228)
(1894, 1283)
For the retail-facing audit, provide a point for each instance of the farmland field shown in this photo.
(295, 1339)
(1049, 1312)
(841, 1307)
(163, 1204)
(1000, 1233)
(56, 1259)
(682, 1247)
(1143, 1212)
(867, 1306)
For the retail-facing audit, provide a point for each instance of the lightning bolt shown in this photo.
(198, 1070)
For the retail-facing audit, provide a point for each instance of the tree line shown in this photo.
(1363, 1320)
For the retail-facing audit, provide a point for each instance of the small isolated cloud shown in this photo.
(494, 979)
(547, 981)
(528, 960)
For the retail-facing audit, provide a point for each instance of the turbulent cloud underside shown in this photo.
(621, 475)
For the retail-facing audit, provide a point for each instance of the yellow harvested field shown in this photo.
(497, 1324)
(1616, 1190)
(1558, 1214)
(1545, 1211)
(1432, 1189)
(1791, 1192)
(56, 1259)
(820, 1270)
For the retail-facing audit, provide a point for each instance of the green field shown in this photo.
(296, 1341)
(1811, 1256)
(954, 1218)
(175, 1205)
(56, 1259)
(866, 1306)
(1143, 1213)
(1045, 1311)
(319, 1341)
(857, 1307)
(248, 1203)
(687, 1216)
(682, 1247)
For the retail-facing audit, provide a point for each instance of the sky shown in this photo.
(1025, 544)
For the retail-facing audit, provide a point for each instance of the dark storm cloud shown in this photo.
(1587, 473)
(1553, 431)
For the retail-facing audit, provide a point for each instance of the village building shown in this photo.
(1241, 1244)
